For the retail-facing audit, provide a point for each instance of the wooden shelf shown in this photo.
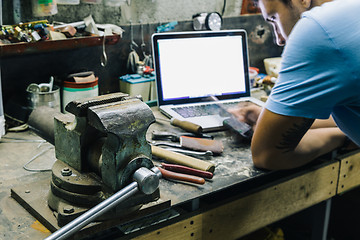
(15, 49)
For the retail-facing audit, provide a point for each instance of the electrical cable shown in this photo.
(223, 10)
(35, 157)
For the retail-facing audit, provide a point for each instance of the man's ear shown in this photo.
(306, 3)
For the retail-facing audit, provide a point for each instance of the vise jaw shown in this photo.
(106, 135)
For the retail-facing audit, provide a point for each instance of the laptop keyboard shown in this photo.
(203, 110)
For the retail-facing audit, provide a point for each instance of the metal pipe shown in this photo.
(1, 13)
(75, 225)
(2, 118)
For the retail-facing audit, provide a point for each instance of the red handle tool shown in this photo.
(182, 177)
(187, 170)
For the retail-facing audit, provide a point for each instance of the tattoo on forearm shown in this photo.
(293, 135)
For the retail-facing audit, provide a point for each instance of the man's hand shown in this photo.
(284, 142)
(246, 112)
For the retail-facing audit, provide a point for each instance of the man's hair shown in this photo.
(286, 2)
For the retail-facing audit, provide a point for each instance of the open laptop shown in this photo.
(194, 68)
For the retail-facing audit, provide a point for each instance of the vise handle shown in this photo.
(145, 180)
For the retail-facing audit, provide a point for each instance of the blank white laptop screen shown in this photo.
(203, 66)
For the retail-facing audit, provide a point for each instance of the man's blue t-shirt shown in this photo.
(320, 72)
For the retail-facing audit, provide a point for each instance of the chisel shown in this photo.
(178, 158)
(186, 125)
(175, 137)
(196, 144)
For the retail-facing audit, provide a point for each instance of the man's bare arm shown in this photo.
(283, 142)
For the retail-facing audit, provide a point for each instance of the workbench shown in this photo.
(238, 200)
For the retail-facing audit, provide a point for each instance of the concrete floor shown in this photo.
(15, 222)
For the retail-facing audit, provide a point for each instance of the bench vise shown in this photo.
(99, 145)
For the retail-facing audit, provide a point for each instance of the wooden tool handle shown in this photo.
(182, 159)
(187, 126)
(182, 177)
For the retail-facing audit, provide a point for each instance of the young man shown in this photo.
(319, 77)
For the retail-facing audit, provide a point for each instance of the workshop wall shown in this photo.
(19, 70)
(147, 11)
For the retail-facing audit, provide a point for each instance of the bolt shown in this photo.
(66, 172)
(68, 209)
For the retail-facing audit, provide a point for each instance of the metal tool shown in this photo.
(145, 180)
(187, 170)
(133, 57)
(176, 147)
(104, 59)
(175, 137)
(178, 158)
(189, 152)
(148, 62)
(200, 145)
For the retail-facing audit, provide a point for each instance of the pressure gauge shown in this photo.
(210, 21)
